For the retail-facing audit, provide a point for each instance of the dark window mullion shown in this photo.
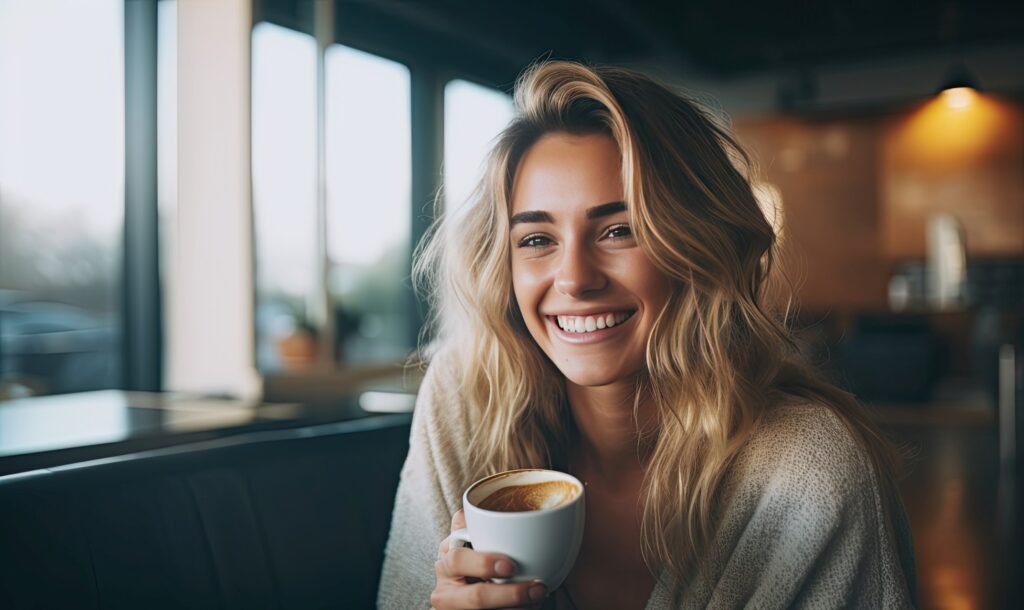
(427, 90)
(141, 320)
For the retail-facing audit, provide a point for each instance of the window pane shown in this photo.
(369, 182)
(284, 195)
(473, 117)
(61, 194)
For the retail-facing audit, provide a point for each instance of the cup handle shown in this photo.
(460, 537)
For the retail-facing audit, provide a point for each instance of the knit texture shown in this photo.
(802, 527)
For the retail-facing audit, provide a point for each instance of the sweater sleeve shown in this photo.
(429, 493)
(805, 527)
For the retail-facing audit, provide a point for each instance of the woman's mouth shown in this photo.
(591, 323)
(590, 328)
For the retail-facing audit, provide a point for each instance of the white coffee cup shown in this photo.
(543, 543)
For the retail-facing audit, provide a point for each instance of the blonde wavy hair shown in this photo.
(719, 355)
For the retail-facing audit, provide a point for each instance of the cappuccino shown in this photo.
(531, 496)
(532, 515)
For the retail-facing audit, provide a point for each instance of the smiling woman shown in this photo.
(602, 309)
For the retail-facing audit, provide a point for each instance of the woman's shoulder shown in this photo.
(803, 524)
(439, 378)
(440, 407)
(806, 449)
(798, 425)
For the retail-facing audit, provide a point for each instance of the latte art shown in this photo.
(532, 496)
(535, 516)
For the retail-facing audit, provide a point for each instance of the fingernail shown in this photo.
(537, 593)
(504, 568)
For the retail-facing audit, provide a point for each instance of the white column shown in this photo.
(209, 294)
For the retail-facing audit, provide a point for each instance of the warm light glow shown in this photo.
(965, 162)
(769, 197)
(959, 98)
(944, 135)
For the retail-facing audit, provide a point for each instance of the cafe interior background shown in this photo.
(207, 215)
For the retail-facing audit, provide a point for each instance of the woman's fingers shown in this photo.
(459, 570)
(458, 520)
(461, 562)
(488, 595)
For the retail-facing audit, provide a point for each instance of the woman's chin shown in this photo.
(591, 378)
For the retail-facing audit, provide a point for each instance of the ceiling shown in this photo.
(716, 39)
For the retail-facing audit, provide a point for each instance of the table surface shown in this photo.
(47, 431)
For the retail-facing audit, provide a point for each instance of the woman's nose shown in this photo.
(578, 273)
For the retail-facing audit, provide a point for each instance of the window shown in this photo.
(347, 250)
(369, 182)
(473, 117)
(356, 266)
(284, 192)
(62, 138)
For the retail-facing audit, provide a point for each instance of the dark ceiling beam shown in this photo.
(661, 46)
(422, 15)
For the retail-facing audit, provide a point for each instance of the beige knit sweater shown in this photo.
(802, 524)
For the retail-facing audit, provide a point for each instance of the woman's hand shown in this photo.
(463, 574)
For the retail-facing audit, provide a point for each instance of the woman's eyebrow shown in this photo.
(605, 209)
(531, 216)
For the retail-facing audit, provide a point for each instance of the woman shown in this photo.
(602, 310)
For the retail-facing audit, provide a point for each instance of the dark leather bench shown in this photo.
(278, 519)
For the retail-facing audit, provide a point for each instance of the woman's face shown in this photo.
(587, 291)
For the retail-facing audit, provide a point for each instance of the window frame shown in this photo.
(141, 304)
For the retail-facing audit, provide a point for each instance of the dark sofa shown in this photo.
(292, 518)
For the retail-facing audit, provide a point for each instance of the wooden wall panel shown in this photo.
(857, 193)
(827, 175)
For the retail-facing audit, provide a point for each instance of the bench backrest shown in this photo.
(280, 519)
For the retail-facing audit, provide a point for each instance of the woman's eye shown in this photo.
(534, 241)
(619, 232)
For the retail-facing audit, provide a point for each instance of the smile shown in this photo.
(591, 323)
(619, 323)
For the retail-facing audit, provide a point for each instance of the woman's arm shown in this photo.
(428, 495)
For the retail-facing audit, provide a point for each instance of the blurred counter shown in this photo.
(49, 431)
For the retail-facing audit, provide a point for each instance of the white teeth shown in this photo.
(588, 324)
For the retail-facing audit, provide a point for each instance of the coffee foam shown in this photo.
(531, 496)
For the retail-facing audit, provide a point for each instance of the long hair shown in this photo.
(719, 355)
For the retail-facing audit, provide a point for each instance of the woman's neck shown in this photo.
(605, 444)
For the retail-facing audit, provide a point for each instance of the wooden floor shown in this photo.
(961, 507)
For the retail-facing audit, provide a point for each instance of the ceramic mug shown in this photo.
(543, 543)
